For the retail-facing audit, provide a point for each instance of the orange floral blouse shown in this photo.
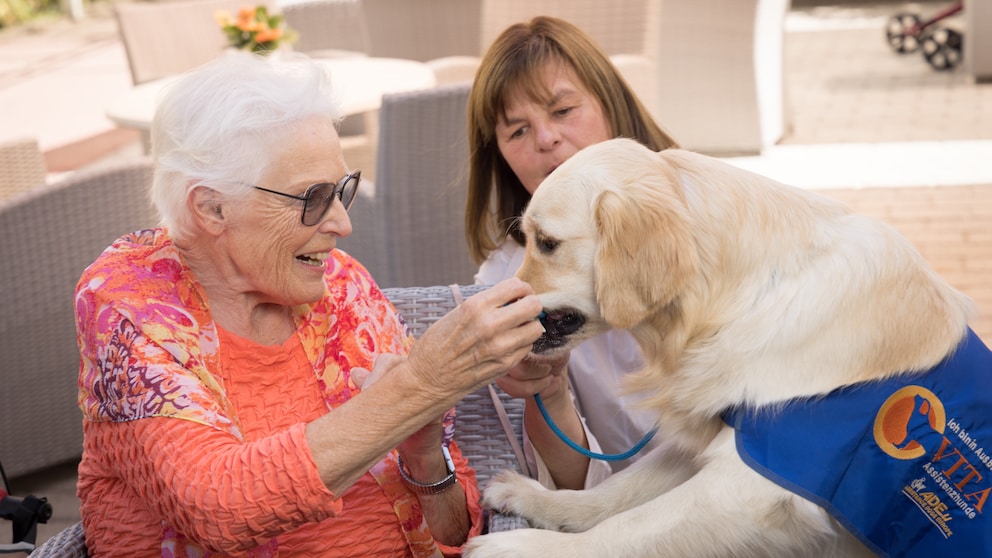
(149, 348)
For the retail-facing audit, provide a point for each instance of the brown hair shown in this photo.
(516, 58)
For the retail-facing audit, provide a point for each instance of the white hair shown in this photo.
(217, 125)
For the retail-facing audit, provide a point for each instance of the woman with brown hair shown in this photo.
(543, 91)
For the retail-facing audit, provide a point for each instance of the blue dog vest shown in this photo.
(904, 464)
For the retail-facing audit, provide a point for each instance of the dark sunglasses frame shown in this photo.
(315, 192)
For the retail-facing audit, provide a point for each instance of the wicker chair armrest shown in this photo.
(498, 521)
(479, 431)
(67, 543)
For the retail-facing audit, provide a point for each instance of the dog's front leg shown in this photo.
(574, 510)
(725, 509)
(579, 510)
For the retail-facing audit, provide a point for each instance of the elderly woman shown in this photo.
(223, 355)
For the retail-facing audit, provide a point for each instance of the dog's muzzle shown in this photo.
(558, 325)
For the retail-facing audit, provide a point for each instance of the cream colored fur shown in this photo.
(740, 290)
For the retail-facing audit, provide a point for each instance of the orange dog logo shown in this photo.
(904, 413)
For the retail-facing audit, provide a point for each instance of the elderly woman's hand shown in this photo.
(466, 349)
(478, 341)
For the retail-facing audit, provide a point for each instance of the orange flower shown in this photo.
(266, 35)
(248, 26)
(254, 29)
(246, 19)
(246, 13)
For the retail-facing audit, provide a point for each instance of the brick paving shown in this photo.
(950, 225)
(845, 85)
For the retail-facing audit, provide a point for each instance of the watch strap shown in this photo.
(431, 488)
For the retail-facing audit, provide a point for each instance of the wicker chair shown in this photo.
(22, 166)
(67, 543)
(48, 235)
(442, 33)
(619, 27)
(423, 29)
(163, 39)
(328, 27)
(480, 430)
(410, 228)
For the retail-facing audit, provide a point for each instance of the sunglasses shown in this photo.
(319, 197)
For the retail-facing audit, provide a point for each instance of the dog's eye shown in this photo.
(547, 245)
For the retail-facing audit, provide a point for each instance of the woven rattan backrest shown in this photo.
(411, 230)
(48, 235)
(422, 29)
(22, 166)
(478, 430)
(164, 39)
(327, 25)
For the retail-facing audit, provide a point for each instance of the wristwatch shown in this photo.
(433, 488)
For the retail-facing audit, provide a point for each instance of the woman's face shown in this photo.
(277, 258)
(537, 137)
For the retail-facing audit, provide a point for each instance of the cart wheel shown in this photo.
(942, 48)
(902, 32)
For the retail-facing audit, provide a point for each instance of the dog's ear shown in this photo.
(645, 251)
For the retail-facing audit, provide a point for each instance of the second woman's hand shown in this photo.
(536, 374)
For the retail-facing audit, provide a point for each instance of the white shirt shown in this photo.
(613, 424)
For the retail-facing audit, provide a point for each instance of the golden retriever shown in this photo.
(745, 294)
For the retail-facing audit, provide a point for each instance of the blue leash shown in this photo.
(591, 454)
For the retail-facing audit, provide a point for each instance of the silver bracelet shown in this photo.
(432, 488)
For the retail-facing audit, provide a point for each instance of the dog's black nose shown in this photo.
(560, 323)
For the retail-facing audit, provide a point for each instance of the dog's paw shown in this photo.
(523, 543)
(516, 494)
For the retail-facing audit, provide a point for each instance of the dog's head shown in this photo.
(608, 242)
